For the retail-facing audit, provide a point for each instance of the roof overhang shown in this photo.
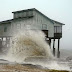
(58, 22)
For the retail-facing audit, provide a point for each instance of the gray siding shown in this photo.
(57, 24)
(2, 29)
(40, 20)
(19, 25)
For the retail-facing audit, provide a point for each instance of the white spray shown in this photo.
(29, 46)
(29, 43)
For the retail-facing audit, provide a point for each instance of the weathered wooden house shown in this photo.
(33, 17)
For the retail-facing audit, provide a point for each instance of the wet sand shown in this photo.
(25, 68)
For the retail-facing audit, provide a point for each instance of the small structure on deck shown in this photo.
(34, 18)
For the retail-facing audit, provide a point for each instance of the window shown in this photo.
(5, 29)
(57, 29)
(44, 27)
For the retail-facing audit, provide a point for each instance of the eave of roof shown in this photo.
(6, 21)
(9, 21)
(58, 22)
(24, 10)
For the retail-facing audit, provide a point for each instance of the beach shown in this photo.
(25, 68)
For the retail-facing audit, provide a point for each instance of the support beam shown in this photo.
(2, 38)
(1, 45)
(2, 41)
(7, 41)
(58, 53)
(54, 47)
(50, 43)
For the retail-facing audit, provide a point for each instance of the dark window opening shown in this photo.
(57, 29)
(45, 32)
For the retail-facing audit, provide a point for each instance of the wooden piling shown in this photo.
(58, 53)
(54, 47)
(50, 43)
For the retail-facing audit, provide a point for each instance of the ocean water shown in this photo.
(29, 47)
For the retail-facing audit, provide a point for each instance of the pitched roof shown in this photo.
(40, 13)
(32, 9)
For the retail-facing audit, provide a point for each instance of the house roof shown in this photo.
(24, 10)
(7, 21)
(58, 22)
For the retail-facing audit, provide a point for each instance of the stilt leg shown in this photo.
(54, 47)
(58, 53)
(50, 43)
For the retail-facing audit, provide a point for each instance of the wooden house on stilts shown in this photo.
(34, 18)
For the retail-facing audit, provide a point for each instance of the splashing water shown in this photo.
(29, 43)
(30, 46)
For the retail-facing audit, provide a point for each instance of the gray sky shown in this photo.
(60, 10)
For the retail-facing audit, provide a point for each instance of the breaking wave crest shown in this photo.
(29, 43)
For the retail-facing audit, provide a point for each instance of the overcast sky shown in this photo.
(59, 10)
